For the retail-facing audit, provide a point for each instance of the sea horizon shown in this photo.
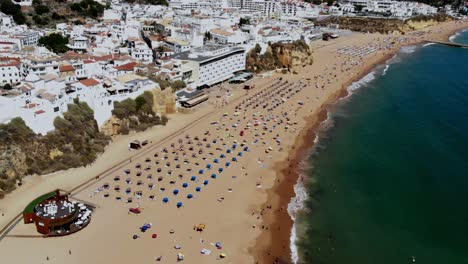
(312, 238)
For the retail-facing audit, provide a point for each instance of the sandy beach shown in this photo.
(233, 167)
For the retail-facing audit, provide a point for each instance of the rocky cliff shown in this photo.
(385, 25)
(288, 56)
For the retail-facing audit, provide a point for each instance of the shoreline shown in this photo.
(289, 171)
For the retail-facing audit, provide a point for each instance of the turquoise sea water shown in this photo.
(391, 174)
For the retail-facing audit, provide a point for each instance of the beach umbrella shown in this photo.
(208, 166)
(228, 150)
(239, 154)
(234, 146)
(218, 245)
(216, 161)
(205, 182)
(154, 235)
(185, 185)
(198, 189)
(193, 178)
(246, 149)
(189, 196)
(222, 156)
(179, 204)
(214, 175)
(234, 159)
(175, 192)
(220, 169)
(228, 164)
(200, 171)
(165, 200)
(135, 236)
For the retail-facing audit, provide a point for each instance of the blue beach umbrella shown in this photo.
(214, 175)
(185, 185)
(208, 166)
(228, 150)
(205, 182)
(216, 161)
(228, 164)
(175, 192)
(234, 159)
(179, 204)
(201, 171)
(239, 154)
(193, 178)
(198, 189)
(189, 196)
(246, 149)
(165, 200)
(234, 146)
(222, 156)
(220, 169)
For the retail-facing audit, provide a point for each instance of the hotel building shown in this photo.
(210, 64)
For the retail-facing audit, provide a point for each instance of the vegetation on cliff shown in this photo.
(76, 141)
(384, 25)
(138, 114)
(279, 55)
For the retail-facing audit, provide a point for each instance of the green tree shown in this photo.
(358, 8)
(244, 21)
(55, 42)
(9, 8)
(258, 49)
(41, 9)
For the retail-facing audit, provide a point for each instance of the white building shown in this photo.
(10, 71)
(210, 64)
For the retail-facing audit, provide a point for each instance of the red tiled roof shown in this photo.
(126, 67)
(39, 112)
(89, 82)
(66, 68)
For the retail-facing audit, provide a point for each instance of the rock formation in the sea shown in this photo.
(288, 56)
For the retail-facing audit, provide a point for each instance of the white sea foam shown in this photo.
(428, 44)
(386, 69)
(296, 205)
(408, 49)
(366, 79)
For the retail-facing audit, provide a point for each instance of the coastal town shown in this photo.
(122, 53)
(223, 97)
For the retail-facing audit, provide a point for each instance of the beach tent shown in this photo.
(165, 200)
(205, 182)
(214, 175)
(198, 189)
(193, 178)
(179, 204)
(185, 185)
(175, 192)
(189, 196)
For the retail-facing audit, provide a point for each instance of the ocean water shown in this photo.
(389, 177)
